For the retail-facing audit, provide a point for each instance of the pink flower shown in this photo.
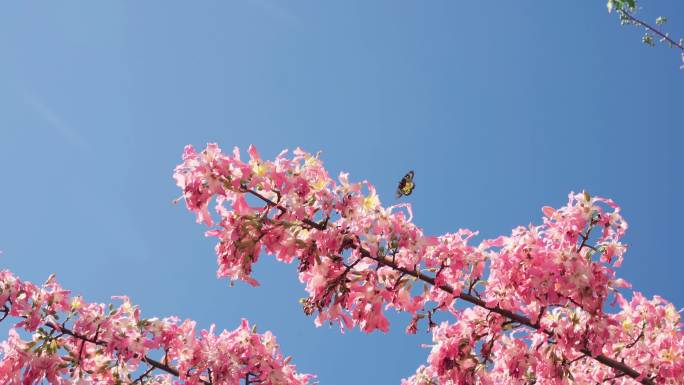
(95, 346)
(358, 259)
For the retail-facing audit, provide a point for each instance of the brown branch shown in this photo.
(614, 377)
(585, 237)
(5, 310)
(283, 209)
(542, 310)
(338, 280)
(142, 376)
(396, 282)
(640, 336)
(577, 359)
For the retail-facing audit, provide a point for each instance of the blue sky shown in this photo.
(499, 107)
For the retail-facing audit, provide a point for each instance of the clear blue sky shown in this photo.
(499, 107)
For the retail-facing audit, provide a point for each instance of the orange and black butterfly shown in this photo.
(406, 185)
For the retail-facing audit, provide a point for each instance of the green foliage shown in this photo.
(621, 5)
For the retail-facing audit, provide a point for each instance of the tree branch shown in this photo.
(467, 296)
(508, 314)
(150, 361)
(650, 28)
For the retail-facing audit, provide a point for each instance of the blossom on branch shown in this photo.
(541, 295)
(70, 341)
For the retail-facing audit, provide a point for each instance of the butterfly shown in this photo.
(406, 185)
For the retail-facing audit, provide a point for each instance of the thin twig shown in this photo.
(651, 28)
(142, 376)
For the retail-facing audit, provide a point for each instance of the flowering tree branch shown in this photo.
(542, 309)
(520, 319)
(153, 364)
(86, 343)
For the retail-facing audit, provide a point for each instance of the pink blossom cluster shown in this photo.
(69, 341)
(554, 264)
(485, 348)
(541, 292)
(349, 248)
